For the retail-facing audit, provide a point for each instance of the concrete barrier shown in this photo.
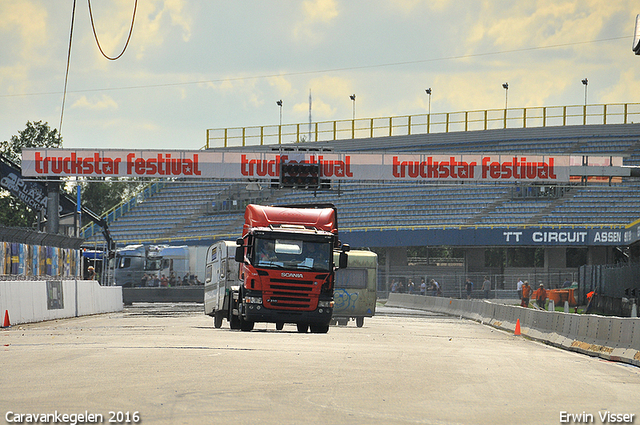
(611, 338)
(36, 301)
(176, 294)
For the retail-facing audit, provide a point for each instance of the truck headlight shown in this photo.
(328, 304)
(253, 300)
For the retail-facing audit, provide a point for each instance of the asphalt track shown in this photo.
(169, 365)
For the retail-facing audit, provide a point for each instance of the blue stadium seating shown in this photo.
(182, 210)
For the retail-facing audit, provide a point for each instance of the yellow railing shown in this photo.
(362, 128)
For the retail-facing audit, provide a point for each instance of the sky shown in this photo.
(193, 65)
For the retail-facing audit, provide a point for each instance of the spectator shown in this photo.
(394, 286)
(91, 273)
(468, 286)
(526, 293)
(423, 287)
(434, 287)
(486, 286)
(519, 288)
(410, 286)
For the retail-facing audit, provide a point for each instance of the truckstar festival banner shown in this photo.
(258, 165)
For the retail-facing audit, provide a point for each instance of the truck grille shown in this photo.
(289, 294)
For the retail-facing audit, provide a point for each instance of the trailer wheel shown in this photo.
(217, 320)
(302, 327)
(359, 321)
(279, 326)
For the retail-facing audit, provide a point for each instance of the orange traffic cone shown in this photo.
(517, 332)
(6, 323)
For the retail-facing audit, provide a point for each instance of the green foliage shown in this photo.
(36, 135)
(14, 213)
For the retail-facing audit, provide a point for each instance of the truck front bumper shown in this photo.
(258, 313)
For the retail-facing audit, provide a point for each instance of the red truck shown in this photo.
(287, 271)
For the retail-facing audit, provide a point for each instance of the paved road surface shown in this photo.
(172, 367)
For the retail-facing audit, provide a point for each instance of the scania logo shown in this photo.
(285, 274)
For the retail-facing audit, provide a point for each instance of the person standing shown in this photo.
(519, 288)
(526, 293)
(423, 287)
(541, 296)
(468, 286)
(486, 286)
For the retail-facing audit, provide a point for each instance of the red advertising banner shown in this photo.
(265, 165)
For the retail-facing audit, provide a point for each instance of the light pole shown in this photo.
(353, 98)
(505, 86)
(279, 103)
(586, 83)
(429, 93)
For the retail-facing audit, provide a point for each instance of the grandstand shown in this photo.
(395, 215)
(206, 210)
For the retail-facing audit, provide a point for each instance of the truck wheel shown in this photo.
(343, 322)
(319, 329)
(302, 327)
(217, 320)
(279, 326)
(234, 321)
(246, 325)
(359, 321)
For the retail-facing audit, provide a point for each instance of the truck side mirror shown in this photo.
(240, 254)
(342, 261)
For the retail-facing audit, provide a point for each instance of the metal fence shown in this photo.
(503, 286)
(362, 128)
(610, 283)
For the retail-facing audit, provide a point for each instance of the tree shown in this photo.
(36, 134)
(100, 196)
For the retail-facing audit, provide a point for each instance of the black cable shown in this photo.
(133, 18)
(66, 75)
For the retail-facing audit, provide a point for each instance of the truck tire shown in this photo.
(279, 326)
(359, 321)
(234, 321)
(319, 329)
(217, 319)
(302, 327)
(246, 326)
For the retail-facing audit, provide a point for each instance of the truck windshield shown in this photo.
(153, 263)
(292, 254)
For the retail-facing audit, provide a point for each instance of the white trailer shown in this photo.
(221, 282)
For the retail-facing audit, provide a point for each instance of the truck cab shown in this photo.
(286, 270)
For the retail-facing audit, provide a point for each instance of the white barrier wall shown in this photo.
(36, 301)
(611, 338)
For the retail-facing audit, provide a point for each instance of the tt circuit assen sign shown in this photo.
(258, 165)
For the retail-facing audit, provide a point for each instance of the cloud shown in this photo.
(25, 24)
(317, 14)
(541, 22)
(105, 102)
(282, 85)
(153, 22)
(320, 110)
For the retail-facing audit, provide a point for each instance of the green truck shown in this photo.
(355, 289)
